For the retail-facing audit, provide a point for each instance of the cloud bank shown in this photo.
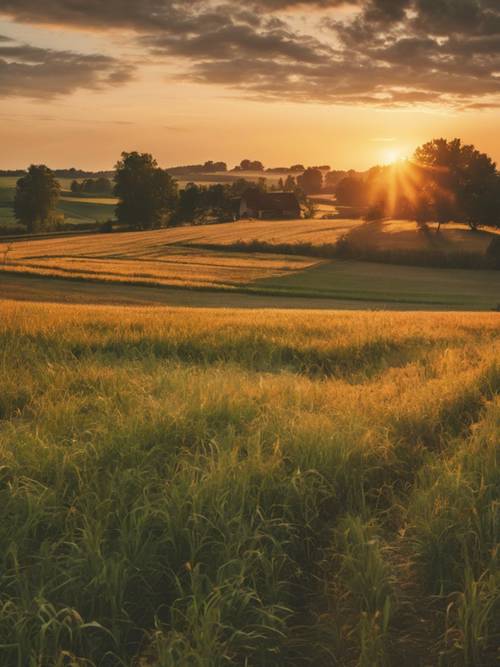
(387, 53)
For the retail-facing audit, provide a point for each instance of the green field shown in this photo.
(76, 210)
(269, 488)
(373, 282)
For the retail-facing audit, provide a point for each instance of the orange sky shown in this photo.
(155, 108)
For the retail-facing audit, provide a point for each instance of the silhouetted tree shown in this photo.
(352, 191)
(310, 181)
(75, 187)
(251, 165)
(459, 183)
(334, 177)
(103, 185)
(290, 184)
(189, 203)
(147, 194)
(240, 186)
(36, 197)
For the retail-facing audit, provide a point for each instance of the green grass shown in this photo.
(82, 211)
(248, 488)
(366, 281)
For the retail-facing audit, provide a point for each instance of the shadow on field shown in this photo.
(56, 290)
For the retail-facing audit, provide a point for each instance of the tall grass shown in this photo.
(238, 488)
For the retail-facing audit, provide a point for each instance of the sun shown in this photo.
(391, 155)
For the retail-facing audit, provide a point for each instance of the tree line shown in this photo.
(445, 181)
(101, 185)
(148, 196)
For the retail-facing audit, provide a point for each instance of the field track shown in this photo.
(54, 290)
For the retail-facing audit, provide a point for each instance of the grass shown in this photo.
(225, 487)
(367, 281)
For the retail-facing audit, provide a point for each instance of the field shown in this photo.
(405, 235)
(227, 487)
(76, 210)
(205, 257)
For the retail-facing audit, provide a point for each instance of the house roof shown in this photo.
(270, 201)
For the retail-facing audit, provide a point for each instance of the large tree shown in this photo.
(147, 194)
(311, 181)
(36, 198)
(459, 183)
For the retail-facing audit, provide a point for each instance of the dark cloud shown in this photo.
(380, 52)
(102, 14)
(33, 72)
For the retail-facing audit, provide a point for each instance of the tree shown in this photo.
(310, 208)
(310, 181)
(334, 177)
(147, 194)
(459, 183)
(36, 197)
(251, 165)
(75, 187)
(189, 202)
(352, 191)
(103, 184)
(290, 184)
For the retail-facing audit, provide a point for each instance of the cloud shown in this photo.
(369, 52)
(100, 14)
(28, 71)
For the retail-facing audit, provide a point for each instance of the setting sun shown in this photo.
(391, 155)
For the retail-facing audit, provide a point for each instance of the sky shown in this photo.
(349, 83)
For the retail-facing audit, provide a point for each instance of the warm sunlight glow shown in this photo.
(391, 155)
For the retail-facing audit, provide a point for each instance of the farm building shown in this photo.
(257, 204)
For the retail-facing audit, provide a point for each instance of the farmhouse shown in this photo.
(257, 204)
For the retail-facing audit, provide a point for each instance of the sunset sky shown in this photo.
(347, 83)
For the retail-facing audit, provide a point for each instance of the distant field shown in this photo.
(166, 257)
(270, 488)
(76, 210)
(84, 209)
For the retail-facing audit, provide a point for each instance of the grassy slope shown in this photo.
(226, 487)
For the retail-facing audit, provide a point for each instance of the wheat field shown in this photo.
(223, 258)
(227, 487)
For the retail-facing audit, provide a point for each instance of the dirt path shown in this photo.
(50, 290)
